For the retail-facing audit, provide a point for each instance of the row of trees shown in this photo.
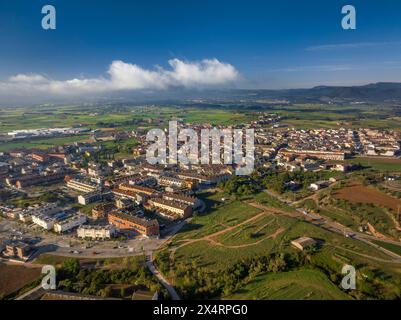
(271, 179)
(73, 278)
(200, 283)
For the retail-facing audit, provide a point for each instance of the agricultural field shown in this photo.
(292, 285)
(14, 278)
(108, 116)
(358, 193)
(355, 205)
(378, 164)
(42, 143)
(312, 116)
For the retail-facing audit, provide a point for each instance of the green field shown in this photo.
(221, 216)
(44, 143)
(255, 237)
(391, 247)
(293, 285)
(127, 117)
(378, 164)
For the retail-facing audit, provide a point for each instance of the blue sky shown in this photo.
(271, 44)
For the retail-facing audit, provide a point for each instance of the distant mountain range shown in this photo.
(370, 93)
(381, 92)
(376, 92)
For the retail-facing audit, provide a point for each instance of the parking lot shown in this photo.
(70, 245)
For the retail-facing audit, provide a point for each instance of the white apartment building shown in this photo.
(81, 186)
(96, 232)
(89, 197)
(44, 221)
(71, 222)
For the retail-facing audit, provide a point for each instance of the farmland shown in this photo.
(356, 205)
(44, 143)
(378, 164)
(361, 194)
(14, 277)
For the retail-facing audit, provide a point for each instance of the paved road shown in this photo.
(324, 223)
(66, 245)
(33, 294)
(149, 263)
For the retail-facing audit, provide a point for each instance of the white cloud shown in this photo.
(127, 76)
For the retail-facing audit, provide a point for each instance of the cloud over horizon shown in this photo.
(126, 76)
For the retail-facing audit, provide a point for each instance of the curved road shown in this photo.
(149, 263)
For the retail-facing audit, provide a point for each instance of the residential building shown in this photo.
(71, 222)
(18, 249)
(101, 210)
(90, 197)
(126, 221)
(96, 232)
(81, 186)
(171, 209)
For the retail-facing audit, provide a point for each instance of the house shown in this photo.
(303, 243)
(18, 249)
(319, 185)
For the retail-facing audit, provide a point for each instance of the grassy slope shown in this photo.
(293, 285)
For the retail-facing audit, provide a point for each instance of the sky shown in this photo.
(104, 46)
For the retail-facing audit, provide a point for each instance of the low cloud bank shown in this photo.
(126, 76)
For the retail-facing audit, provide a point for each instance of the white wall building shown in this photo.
(71, 222)
(43, 221)
(96, 232)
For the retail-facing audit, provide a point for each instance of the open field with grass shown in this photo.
(293, 285)
(42, 143)
(378, 164)
(312, 116)
(219, 216)
(111, 116)
(389, 246)
(214, 244)
(213, 248)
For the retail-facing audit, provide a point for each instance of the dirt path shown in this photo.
(210, 237)
(367, 256)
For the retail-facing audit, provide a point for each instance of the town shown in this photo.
(95, 196)
(129, 197)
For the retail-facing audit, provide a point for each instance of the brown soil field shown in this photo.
(393, 185)
(14, 277)
(360, 194)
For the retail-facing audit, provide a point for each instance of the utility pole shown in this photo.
(398, 214)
